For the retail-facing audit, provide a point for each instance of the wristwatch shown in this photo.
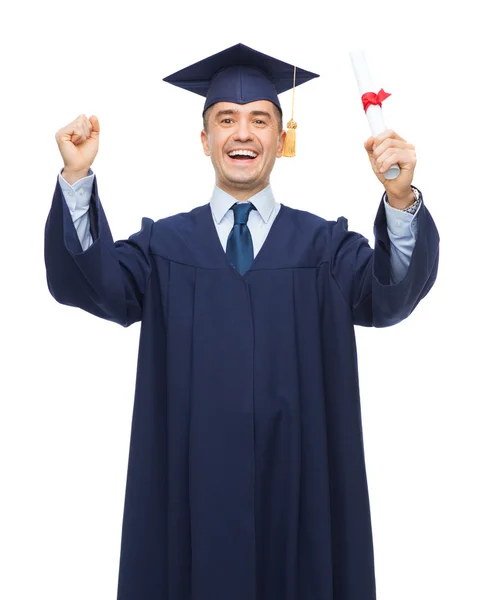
(417, 201)
(414, 207)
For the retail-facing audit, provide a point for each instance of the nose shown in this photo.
(243, 132)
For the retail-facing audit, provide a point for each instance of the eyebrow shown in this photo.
(261, 113)
(254, 113)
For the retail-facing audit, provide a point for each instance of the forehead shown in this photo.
(258, 105)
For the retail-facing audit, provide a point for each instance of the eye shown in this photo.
(228, 121)
(260, 122)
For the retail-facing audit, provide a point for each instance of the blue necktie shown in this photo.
(239, 251)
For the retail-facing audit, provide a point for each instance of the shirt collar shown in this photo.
(221, 202)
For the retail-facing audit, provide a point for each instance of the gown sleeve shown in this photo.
(109, 278)
(363, 275)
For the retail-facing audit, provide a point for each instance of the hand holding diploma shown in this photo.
(389, 149)
(392, 159)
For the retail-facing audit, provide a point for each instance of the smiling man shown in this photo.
(246, 476)
(243, 143)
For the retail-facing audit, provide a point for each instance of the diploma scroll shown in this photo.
(374, 111)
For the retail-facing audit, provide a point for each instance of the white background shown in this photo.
(67, 379)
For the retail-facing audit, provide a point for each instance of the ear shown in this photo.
(205, 142)
(280, 143)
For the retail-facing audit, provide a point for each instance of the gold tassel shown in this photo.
(290, 141)
(289, 149)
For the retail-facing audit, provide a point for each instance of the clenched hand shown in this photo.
(78, 143)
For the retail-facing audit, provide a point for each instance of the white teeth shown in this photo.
(243, 153)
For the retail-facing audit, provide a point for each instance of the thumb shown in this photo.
(369, 145)
(95, 126)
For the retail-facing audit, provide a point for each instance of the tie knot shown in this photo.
(241, 212)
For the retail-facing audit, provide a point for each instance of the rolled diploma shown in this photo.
(374, 113)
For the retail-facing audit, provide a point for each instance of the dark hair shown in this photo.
(276, 111)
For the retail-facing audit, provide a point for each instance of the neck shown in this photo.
(241, 195)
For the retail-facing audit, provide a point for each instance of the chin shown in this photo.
(243, 178)
(246, 182)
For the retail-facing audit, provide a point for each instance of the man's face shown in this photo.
(243, 141)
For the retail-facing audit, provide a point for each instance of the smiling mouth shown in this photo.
(245, 155)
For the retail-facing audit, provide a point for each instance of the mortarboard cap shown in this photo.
(240, 74)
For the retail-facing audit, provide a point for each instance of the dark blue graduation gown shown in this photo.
(246, 476)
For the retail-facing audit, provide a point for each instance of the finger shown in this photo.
(85, 126)
(81, 131)
(390, 143)
(368, 144)
(73, 131)
(386, 156)
(81, 123)
(77, 138)
(392, 156)
(389, 133)
(79, 134)
(389, 162)
(95, 126)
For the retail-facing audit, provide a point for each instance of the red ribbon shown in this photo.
(370, 99)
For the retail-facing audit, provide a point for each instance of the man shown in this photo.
(246, 476)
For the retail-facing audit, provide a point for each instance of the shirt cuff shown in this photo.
(77, 196)
(401, 223)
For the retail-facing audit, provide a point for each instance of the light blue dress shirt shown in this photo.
(401, 226)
